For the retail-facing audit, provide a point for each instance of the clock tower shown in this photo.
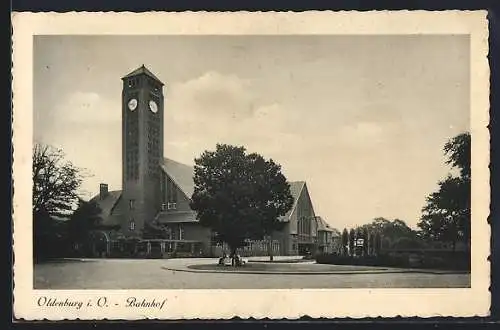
(142, 148)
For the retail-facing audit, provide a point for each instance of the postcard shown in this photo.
(211, 165)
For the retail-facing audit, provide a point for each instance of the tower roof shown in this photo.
(142, 70)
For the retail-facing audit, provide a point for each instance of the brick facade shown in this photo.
(158, 189)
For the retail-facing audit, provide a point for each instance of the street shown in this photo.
(159, 274)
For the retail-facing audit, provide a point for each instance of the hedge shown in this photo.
(444, 261)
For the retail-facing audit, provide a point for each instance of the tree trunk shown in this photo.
(233, 256)
(270, 247)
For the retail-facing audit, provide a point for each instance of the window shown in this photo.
(163, 206)
(132, 225)
(169, 233)
(131, 204)
(171, 206)
(181, 232)
(171, 191)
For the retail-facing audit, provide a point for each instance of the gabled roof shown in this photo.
(108, 203)
(142, 70)
(323, 225)
(181, 174)
(295, 189)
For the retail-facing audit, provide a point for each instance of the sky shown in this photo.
(362, 119)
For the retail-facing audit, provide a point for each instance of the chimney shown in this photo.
(103, 190)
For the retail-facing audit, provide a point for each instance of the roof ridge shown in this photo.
(296, 200)
(116, 202)
(177, 162)
(174, 181)
(142, 70)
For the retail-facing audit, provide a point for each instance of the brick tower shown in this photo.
(142, 148)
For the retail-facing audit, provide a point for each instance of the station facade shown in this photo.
(156, 190)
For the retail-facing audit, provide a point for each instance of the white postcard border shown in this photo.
(223, 304)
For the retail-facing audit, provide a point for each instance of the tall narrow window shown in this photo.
(181, 232)
(171, 191)
(132, 225)
(131, 204)
(174, 194)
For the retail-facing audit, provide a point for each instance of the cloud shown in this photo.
(88, 108)
(217, 108)
(363, 134)
(212, 95)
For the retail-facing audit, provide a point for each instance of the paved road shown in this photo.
(150, 274)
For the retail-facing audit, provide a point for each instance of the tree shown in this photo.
(345, 241)
(238, 195)
(390, 230)
(377, 243)
(371, 241)
(152, 230)
(85, 219)
(44, 236)
(366, 241)
(55, 181)
(272, 196)
(55, 184)
(404, 243)
(446, 215)
(336, 241)
(352, 238)
(458, 150)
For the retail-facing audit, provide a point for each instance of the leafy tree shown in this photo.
(44, 236)
(458, 150)
(86, 218)
(446, 215)
(336, 241)
(390, 230)
(352, 238)
(377, 243)
(272, 197)
(238, 195)
(366, 240)
(345, 241)
(153, 230)
(371, 247)
(404, 243)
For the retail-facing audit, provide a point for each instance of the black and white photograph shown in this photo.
(251, 161)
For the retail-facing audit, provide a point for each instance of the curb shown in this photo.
(347, 272)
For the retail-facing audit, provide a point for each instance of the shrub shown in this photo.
(426, 260)
(380, 260)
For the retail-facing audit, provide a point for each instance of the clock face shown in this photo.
(132, 104)
(153, 107)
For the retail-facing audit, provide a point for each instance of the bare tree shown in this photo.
(55, 181)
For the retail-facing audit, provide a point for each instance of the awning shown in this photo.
(176, 217)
